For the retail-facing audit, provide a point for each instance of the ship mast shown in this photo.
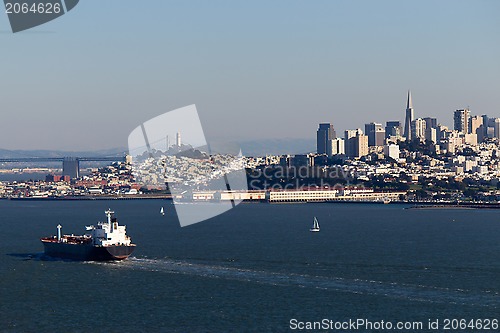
(59, 227)
(109, 214)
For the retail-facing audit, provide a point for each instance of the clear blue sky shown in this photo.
(255, 69)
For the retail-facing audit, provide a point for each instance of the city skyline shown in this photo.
(469, 130)
(426, 128)
(257, 70)
(408, 112)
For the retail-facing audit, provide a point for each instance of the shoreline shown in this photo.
(414, 205)
(86, 198)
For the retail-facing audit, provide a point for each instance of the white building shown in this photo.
(470, 139)
(418, 129)
(337, 147)
(391, 151)
(431, 134)
(333, 195)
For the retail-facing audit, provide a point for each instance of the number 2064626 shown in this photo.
(35, 8)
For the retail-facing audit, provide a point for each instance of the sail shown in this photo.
(161, 210)
(315, 224)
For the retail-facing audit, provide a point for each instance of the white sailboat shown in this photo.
(162, 212)
(315, 227)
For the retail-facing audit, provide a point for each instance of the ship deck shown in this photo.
(77, 240)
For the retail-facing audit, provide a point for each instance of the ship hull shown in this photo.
(87, 252)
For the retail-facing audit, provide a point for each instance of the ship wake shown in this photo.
(421, 293)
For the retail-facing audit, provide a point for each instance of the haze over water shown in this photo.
(251, 269)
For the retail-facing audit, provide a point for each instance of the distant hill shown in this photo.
(4, 153)
(249, 148)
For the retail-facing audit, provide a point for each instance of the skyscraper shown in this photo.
(375, 133)
(431, 134)
(409, 117)
(349, 135)
(361, 145)
(497, 128)
(461, 121)
(356, 143)
(71, 167)
(338, 147)
(430, 129)
(324, 137)
(490, 129)
(485, 125)
(418, 129)
(430, 122)
(393, 128)
(476, 127)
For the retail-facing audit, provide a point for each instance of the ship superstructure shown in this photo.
(109, 233)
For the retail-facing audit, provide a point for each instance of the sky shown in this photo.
(255, 69)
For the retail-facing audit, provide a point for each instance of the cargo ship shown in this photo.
(104, 242)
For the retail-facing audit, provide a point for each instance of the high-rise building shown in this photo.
(490, 132)
(337, 147)
(490, 128)
(393, 128)
(485, 125)
(71, 167)
(349, 143)
(442, 132)
(356, 143)
(418, 129)
(360, 145)
(496, 127)
(461, 121)
(431, 129)
(474, 123)
(480, 134)
(409, 117)
(324, 136)
(430, 122)
(375, 133)
(431, 134)
(476, 127)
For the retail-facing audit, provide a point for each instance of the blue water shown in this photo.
(251, 269)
